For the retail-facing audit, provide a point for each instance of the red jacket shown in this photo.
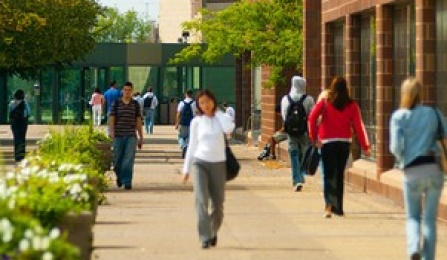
(337, 124)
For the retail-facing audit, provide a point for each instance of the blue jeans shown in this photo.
(183, 136)
(297, 147)
(149, 120)
(323, 180)
(124, 158)
(423, 184)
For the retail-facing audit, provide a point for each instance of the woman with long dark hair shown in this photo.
(19, 112)
(205, 158)
(413, 133)
(339, 113)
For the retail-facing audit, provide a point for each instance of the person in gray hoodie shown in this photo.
(297, 144)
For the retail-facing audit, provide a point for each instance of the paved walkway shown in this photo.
(264, 218)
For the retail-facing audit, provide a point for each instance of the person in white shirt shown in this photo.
(149, 103)
(186, 111)
(229, 110)
(97, 101)
(205, 158)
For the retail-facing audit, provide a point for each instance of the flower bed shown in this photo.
(60, 183)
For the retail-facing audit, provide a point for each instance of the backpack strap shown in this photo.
(299, 102)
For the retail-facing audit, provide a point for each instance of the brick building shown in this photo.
(375, 44)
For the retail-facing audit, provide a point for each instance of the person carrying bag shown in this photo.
(206, 159)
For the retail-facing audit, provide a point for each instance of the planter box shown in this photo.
(79, 230)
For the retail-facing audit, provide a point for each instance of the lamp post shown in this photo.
(37, 115)
(184, 39)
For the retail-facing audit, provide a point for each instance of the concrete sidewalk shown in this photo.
(264, 218)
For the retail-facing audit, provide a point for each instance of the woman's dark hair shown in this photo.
(97, 90)
(19, 94)
(339, 94)
(207, 93)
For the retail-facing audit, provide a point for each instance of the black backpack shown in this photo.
(186, 113)
(148, 102)
(17, 114)
(296, 118)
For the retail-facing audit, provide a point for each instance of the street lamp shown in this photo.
(36, 88)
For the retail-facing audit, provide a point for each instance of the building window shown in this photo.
(403, 47)
(441, 55)
(339, 50)
(367, 99)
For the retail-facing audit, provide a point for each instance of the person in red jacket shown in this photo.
(339, 113)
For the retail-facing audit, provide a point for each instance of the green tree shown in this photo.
(270, 29)
(126, 27)
(38, 33)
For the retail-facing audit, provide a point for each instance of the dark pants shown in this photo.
(19, 135)
(334, 155)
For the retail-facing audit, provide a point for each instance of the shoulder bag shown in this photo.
(233, 166)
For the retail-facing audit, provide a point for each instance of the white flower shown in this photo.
(47, 256)
(37, 243)
(75, 189)
(10, 175)
(45, 243)
(28, 233)
(5, 224)
(24, 245)
(55, 233)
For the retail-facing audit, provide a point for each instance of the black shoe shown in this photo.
(127, 187)
(119, 183)
(184, 152)
(206, 245)
(213, 241)
(265, 153)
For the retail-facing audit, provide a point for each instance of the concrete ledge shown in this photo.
(362, 174)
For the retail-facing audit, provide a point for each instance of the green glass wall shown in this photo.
(220, 80)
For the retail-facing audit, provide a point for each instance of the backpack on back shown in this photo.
(296, 118)
(186, 113)
(148, 102)
(17, 115)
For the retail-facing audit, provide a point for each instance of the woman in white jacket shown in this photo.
(205, 158)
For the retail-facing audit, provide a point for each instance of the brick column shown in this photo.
(327, 54)
(271, 97)
(384, 103)
(426, 48)
(312, 46)
(243, 90)
(352, 55)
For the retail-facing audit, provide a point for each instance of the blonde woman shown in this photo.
(205, 158)
(413, 130)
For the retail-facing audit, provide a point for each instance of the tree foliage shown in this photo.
(270, 29)
(38, 33)
(126, 27)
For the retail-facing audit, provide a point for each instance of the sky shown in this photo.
(143, 7)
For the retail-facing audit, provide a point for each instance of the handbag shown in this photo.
(441, 142)
(310, 160)
(233, 166)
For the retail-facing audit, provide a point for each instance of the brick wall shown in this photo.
(426, 48)
(312, 46)
(384, 101)
(243, 90)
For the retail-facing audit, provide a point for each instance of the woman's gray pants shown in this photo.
(209, 183)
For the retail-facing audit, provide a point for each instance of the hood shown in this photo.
(298, 85)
